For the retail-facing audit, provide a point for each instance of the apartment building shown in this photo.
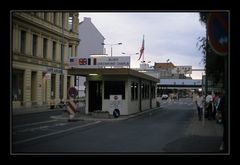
(42, 41)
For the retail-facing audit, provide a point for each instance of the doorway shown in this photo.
(95, 96)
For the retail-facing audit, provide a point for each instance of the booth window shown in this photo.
(114, 88)
(134, 91)
(153, 94)
(145, 90)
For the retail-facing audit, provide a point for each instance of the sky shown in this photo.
(167, 35)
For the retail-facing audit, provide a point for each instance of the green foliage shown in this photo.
(214, 63)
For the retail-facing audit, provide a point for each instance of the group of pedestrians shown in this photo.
(213, 106)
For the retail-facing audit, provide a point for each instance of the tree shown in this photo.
(213, 63)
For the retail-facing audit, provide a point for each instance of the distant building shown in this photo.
(165, 70)
(90, 38)
(36, 56)
(90, 43)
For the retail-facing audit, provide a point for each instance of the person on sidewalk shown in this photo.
(222, 108)
(209, 106)
(200, 103)
(217, 114)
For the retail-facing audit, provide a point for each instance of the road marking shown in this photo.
(40, 128)
(31, 124)
(54, 133)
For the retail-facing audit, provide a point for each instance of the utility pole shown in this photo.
(62, 60)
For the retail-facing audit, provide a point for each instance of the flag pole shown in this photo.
(144, 48)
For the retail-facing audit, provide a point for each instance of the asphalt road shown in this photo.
(160, 131)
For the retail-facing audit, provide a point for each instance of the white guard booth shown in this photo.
(108, 78)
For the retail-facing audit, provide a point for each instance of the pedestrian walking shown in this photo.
(209, 106)
(200, 103)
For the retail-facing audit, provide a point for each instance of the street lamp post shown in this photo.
(62, 60)
(112, 46)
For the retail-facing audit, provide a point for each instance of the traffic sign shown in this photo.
(218, 32)
(72, 92)
(116, 113)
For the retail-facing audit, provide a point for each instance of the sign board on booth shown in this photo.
(99, 62)
(116, 104)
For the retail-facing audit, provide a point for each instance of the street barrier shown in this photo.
(71, 108)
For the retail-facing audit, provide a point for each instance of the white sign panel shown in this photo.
(99, 62)
(53, 70)
(115, 61)
(182, 70)
(115, 102)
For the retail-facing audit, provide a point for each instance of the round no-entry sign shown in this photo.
(218, 32)
(72, 92)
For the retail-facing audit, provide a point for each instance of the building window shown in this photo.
(134, 91)
(145, 91)
(114, 88)
(17, 85)
(45, 16)
(53, 79)
(34, 45)
(54, 51)
(62, 52)
(153, 94)
(70, 22)
(23, 42)
(45, 48)
(70, 51)
(54, 18)
(61, 84)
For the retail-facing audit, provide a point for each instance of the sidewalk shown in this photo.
(201, 137)
(204, 128)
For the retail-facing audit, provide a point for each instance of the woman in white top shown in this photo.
(199, 104)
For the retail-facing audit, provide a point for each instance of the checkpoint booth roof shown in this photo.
(137, 90)
(109, 71)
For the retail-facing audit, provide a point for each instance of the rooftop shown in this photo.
(110, 71)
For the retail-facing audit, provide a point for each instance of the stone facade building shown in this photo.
(41, 45)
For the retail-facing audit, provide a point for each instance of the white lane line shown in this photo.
(54, 133)
(31, 124)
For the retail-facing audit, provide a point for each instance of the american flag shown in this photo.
(142, 49)
(73, 61)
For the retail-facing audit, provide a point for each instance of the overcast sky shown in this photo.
(168, 35)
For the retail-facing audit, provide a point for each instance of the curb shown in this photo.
(84, 118)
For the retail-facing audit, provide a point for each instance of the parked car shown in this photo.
(164, 96)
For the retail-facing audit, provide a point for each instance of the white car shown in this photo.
(164, 96)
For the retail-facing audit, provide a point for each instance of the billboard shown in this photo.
(99, 62)
(182, 70)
